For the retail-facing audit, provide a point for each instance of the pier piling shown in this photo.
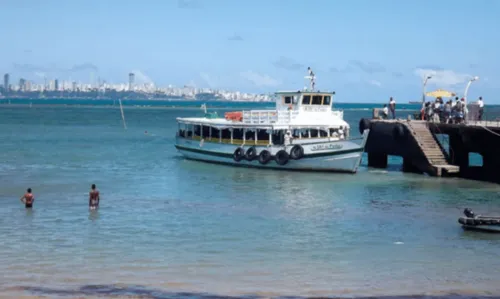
(417, 142)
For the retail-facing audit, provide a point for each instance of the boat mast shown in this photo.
(311, 77)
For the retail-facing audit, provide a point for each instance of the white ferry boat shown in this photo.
(304, 132)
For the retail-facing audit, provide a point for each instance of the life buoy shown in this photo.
(238, 154)
(297, 152)
(282, 157)
(251, 153)
(364, 124)
(264, 157)
(399, 132)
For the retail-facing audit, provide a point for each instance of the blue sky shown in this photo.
(364, 50)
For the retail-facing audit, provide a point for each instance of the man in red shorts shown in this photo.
(94, 198)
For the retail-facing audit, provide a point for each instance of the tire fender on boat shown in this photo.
(264, 157)
(238, 154)
(251, 153)
(282, 157)
(364, 124)
(297, 152)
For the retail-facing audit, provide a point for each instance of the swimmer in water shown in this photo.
(94, 198)
(27, 199)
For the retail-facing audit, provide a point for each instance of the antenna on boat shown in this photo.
(123, 115)
(311, 77)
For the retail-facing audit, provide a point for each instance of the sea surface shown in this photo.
(172, 228)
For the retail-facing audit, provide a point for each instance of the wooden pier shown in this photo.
(420, 144)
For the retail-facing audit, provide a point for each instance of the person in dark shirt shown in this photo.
(28, 199)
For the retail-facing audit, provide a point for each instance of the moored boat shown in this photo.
(304, 132)
(479, 222)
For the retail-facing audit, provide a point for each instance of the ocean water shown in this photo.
(172, 228)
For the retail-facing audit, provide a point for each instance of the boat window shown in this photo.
(182, 130)
(326, 100)
(189, 130)
(263, 135)
(306, 100)
(226, 134)
(206, 131)
(288, 99)
(197, 130)
(215, 133)
(238, 134)
(323, 133)
(314, 133)
(316, 100)
(278, 137)
(249, 135)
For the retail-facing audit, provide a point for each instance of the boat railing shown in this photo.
(260, 116)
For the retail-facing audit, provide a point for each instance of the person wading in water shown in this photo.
(94, 198)
(27, 199)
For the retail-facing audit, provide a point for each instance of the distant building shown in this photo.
(56, 85)
(131, 78)
(6, 82)
(74, 86)
(22, 84)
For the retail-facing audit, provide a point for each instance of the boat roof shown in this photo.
(225, 123)
(285, 92)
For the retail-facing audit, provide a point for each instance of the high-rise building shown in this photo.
(56, 85)
(6, 82)
(74, 86)
(131, 81)
(22, 84)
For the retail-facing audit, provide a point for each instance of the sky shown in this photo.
(365, 51)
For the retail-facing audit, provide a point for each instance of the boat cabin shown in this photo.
(312, 101)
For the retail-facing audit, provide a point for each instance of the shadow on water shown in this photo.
(137, 291)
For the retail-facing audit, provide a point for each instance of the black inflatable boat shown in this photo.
(479, 222)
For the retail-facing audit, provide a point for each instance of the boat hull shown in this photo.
(338, 156)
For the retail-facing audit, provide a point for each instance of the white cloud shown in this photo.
(260, 80)
(443, 78)
(375, 83)
(141, 78)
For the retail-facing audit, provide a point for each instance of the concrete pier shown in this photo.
(421, 146)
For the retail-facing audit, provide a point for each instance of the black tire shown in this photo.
(264, 157)
(238, 154)
(282, 157)
(251, 153)
(297, 152)
(364, 124)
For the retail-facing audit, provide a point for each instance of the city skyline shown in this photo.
(365, 51)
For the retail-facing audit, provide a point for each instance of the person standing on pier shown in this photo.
(392, 107)
(481, 108)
